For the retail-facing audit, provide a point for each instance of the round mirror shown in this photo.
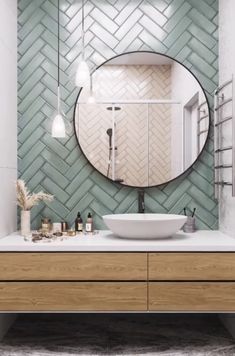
(148, 123)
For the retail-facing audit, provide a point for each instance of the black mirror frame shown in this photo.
(181, 174)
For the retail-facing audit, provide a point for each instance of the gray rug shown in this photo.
(117, 334)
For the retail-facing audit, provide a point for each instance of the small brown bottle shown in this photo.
(78, 223)
(89, 223)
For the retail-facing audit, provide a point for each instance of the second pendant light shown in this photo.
(83, 76)
(58, 125)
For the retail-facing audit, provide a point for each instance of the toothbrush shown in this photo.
(193, 212)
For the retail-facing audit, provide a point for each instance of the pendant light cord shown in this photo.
(83, 31)
(58, 54)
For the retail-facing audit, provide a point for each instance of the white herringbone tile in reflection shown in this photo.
(107, 334)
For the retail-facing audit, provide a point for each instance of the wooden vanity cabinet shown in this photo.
(197, 281)
(61, 281)
(117, 281)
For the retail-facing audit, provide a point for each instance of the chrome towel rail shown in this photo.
(220, 101)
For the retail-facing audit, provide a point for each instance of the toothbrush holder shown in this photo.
(190, 225)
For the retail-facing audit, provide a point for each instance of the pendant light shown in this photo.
(83, 76)
(58, 125)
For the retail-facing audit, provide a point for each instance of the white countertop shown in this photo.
(105, 241)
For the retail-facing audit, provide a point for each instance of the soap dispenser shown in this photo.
(89, 223)
(79, 223)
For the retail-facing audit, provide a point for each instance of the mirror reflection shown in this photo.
(149, 120)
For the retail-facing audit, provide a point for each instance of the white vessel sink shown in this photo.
(144, 226)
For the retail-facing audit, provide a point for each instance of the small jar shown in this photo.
(46, 225)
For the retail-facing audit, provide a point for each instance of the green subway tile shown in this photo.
(179, 29)
(52, 26)
(181, 203)
(82, 190)
(30, 142)
(153, 205)
(179, 43)
(51, 10)
(32, 36)
(30, 156)
(56, 207)
(54, 189)
(125, 204)
(202, 65)
(106, 199)
(201, 183)
(30, 83)
(202, 50)
(29, 99)
(201, 197)
(202, 36)
(108, 187)
(122, 193)
(31, 112)
(26, 73)
(99, 208)
(29, 25)
(35, 180)
(32, 170)
(181, 189)
(203, 8)
(56, 161)
(52, 40)
(177, 16)
(55, 145)
(33, 50)
(202, 21)
(55, 175)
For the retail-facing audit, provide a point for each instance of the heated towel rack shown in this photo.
(224, 111)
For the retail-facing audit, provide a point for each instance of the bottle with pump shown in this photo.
(89, 223)
(78, 223)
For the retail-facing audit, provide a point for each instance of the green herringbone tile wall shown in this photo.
(183, 29)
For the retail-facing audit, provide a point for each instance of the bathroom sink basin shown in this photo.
(144, 226)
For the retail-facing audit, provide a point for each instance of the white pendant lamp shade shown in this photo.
(83, 77)
(58, 127)
(91, 99)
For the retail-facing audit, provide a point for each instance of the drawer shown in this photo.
(192, 296)
(73, 296)
(192, 266)
(73, 266)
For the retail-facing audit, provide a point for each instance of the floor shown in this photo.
(117, 334)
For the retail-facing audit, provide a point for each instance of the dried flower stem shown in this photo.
(25, 200)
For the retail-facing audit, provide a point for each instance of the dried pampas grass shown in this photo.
(25, 200)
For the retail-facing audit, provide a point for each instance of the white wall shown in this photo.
(226, 69)
(8, 127)
(8, 115)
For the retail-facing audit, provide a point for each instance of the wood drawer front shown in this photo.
(73, 266)
(73, 296)
(192, 266)
(192, 296)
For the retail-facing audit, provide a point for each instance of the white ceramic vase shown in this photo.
(25, 223)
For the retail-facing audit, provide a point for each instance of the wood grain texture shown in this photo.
(73, 266)
(73, 296)
(192, 266)
(192, 296)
